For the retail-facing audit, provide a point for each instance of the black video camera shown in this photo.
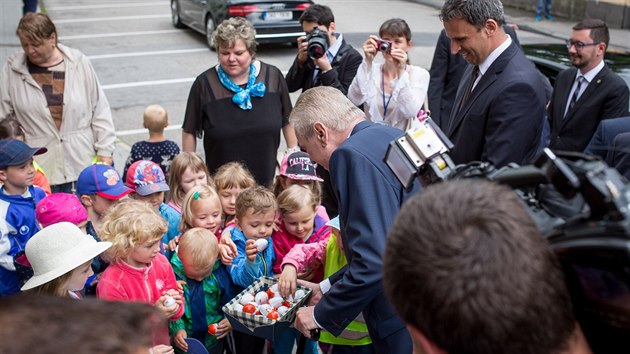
(580, 205)
(317, 43)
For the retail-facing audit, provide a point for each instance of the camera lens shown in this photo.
(315, 50)
(317, 43)
(385, 46)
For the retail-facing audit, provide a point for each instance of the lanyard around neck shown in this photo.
(386, 102)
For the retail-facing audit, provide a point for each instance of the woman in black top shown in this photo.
(239, 107)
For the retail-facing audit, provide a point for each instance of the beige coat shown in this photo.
(87, 128)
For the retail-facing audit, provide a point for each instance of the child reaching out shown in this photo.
(205, 291)
(327, 253)
(187, 171)
(61, 256)
(255, 214)
(137, 270)
(299, 223)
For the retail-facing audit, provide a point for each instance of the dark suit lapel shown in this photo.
(487, 79)
(588, 92)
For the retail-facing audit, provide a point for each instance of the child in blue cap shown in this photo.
(18, 198)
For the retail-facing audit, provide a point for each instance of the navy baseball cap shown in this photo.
(15, 152)
(103, 180)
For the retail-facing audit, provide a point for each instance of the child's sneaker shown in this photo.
(549, 17)
(538, 18)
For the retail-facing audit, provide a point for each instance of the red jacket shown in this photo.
(122, 282)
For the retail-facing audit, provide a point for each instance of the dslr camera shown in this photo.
(317, 43)
(383, 45)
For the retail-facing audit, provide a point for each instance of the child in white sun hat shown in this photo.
(61, 256)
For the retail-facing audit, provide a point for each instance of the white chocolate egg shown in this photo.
(276, 301)
(261, 298)
(282, 310)
(247, 297)
(169, 302)
(299, 294)
(261, 244)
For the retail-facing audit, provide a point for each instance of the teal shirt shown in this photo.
(212, 299)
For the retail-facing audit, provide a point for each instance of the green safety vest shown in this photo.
(335, 260)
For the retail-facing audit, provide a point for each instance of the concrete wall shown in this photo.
(616, 13)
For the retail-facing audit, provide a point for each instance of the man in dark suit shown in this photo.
(336, 135)
(587, 93)
(498, 112)
(446, 72)
(619, 156)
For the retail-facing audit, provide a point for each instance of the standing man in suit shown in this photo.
(499, 108)
(336, 68)
(336, 134)
(446, 73)
(587, 93)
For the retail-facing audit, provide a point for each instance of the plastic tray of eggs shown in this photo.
(261, 304)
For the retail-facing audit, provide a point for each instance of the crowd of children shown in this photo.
(155, 235)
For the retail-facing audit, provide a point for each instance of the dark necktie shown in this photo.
(576, 93)
(469, 87)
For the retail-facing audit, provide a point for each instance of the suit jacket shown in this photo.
(344, 68)
(369, 198)
(502, 120)
(604, 97)
(446, 73)
(619, 157)
(606, 132)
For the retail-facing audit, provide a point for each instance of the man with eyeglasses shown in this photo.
(588, 93)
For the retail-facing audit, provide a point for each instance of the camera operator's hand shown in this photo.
(323, 63)
(302, 45)
(370, 48)
(400, 58)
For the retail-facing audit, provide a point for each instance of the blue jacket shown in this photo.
(244, 272)
(172, 218)
(17, 226)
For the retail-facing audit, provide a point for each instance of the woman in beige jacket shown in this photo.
(54, 93)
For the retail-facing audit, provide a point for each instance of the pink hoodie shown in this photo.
(122, 282)
(283, 243)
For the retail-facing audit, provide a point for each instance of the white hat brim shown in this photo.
(83, 252)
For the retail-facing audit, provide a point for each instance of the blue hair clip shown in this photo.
(196, 195)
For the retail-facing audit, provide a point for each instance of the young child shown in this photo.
(10, 128)
(60, 207)
(187, 170)
(230, 180)
(255, 214)
(298, 224)
(207, 288)
(157, 148)
(298, 219)
(149, 184)
(61, 256)
(99, 188)
(18, 198)
(202, 208)
(138, 271)
(329, 254)
(298, 168)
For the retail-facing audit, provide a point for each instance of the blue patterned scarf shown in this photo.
(242, 97)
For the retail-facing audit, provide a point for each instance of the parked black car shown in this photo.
(274, 21)
(551, 59)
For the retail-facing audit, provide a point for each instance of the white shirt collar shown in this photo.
(483, 67)
(590, 75)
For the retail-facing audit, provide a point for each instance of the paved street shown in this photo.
(141, 59)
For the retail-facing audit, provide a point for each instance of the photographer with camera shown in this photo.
(391, 93)
(324, 58)
(469, 271)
